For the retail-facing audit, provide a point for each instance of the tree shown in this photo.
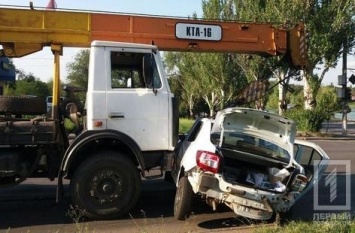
(180, 68)
(215, 78)
(330, 24)
(78, 70)
(332, 29)
(293, 98)
(27, 84)
(212, 77)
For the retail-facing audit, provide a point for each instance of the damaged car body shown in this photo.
(246, 159)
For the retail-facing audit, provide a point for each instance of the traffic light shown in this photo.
(348, 94)
(352, 79)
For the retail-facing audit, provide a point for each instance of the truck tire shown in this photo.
(183, 199)
(22, 105)
(105, 186)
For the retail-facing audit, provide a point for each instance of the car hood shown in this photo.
(271, 127)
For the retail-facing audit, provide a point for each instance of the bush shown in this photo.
(185, 125)
(308, 120)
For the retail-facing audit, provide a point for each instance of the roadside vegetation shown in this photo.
(185, 124)
(330, 226)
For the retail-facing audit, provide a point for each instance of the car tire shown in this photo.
(22, 105)
(183, 199)
(105, 186)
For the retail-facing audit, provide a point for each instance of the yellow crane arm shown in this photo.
(25, 31)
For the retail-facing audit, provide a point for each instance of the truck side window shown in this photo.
(127, 71)
(150, 72)
(156, 78)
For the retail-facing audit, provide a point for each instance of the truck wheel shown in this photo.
(183, 199)
(106, 186)
(22, 105)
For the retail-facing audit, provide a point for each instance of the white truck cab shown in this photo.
(128, 92)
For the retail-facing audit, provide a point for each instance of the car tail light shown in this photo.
(208, 161)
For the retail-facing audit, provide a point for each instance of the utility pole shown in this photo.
(344, 77)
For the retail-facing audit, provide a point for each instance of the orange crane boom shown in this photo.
(25, 31)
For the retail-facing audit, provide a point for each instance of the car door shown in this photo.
(313, 159)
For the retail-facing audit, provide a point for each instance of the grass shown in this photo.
(341, 224)
(329, 226)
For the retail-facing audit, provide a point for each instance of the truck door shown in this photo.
(137, 98)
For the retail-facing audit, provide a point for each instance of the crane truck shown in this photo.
(129, 124)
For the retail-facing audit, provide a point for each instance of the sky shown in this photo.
(40, 64)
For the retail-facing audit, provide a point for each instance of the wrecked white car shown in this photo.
(246, 159)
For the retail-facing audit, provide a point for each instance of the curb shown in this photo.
(330, 137)
(327, 138)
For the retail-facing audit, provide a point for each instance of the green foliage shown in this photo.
(308, 120)
(213, 78)
(273, 98)
(330, 25)
(311, 120)
(185, 125)
(78, 70)
(328, 101)
(294, 97)
(27, 84)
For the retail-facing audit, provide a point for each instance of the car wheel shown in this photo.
(22, 105)
(105, 186)
(183, 199)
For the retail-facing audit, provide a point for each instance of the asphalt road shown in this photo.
(31, 207)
